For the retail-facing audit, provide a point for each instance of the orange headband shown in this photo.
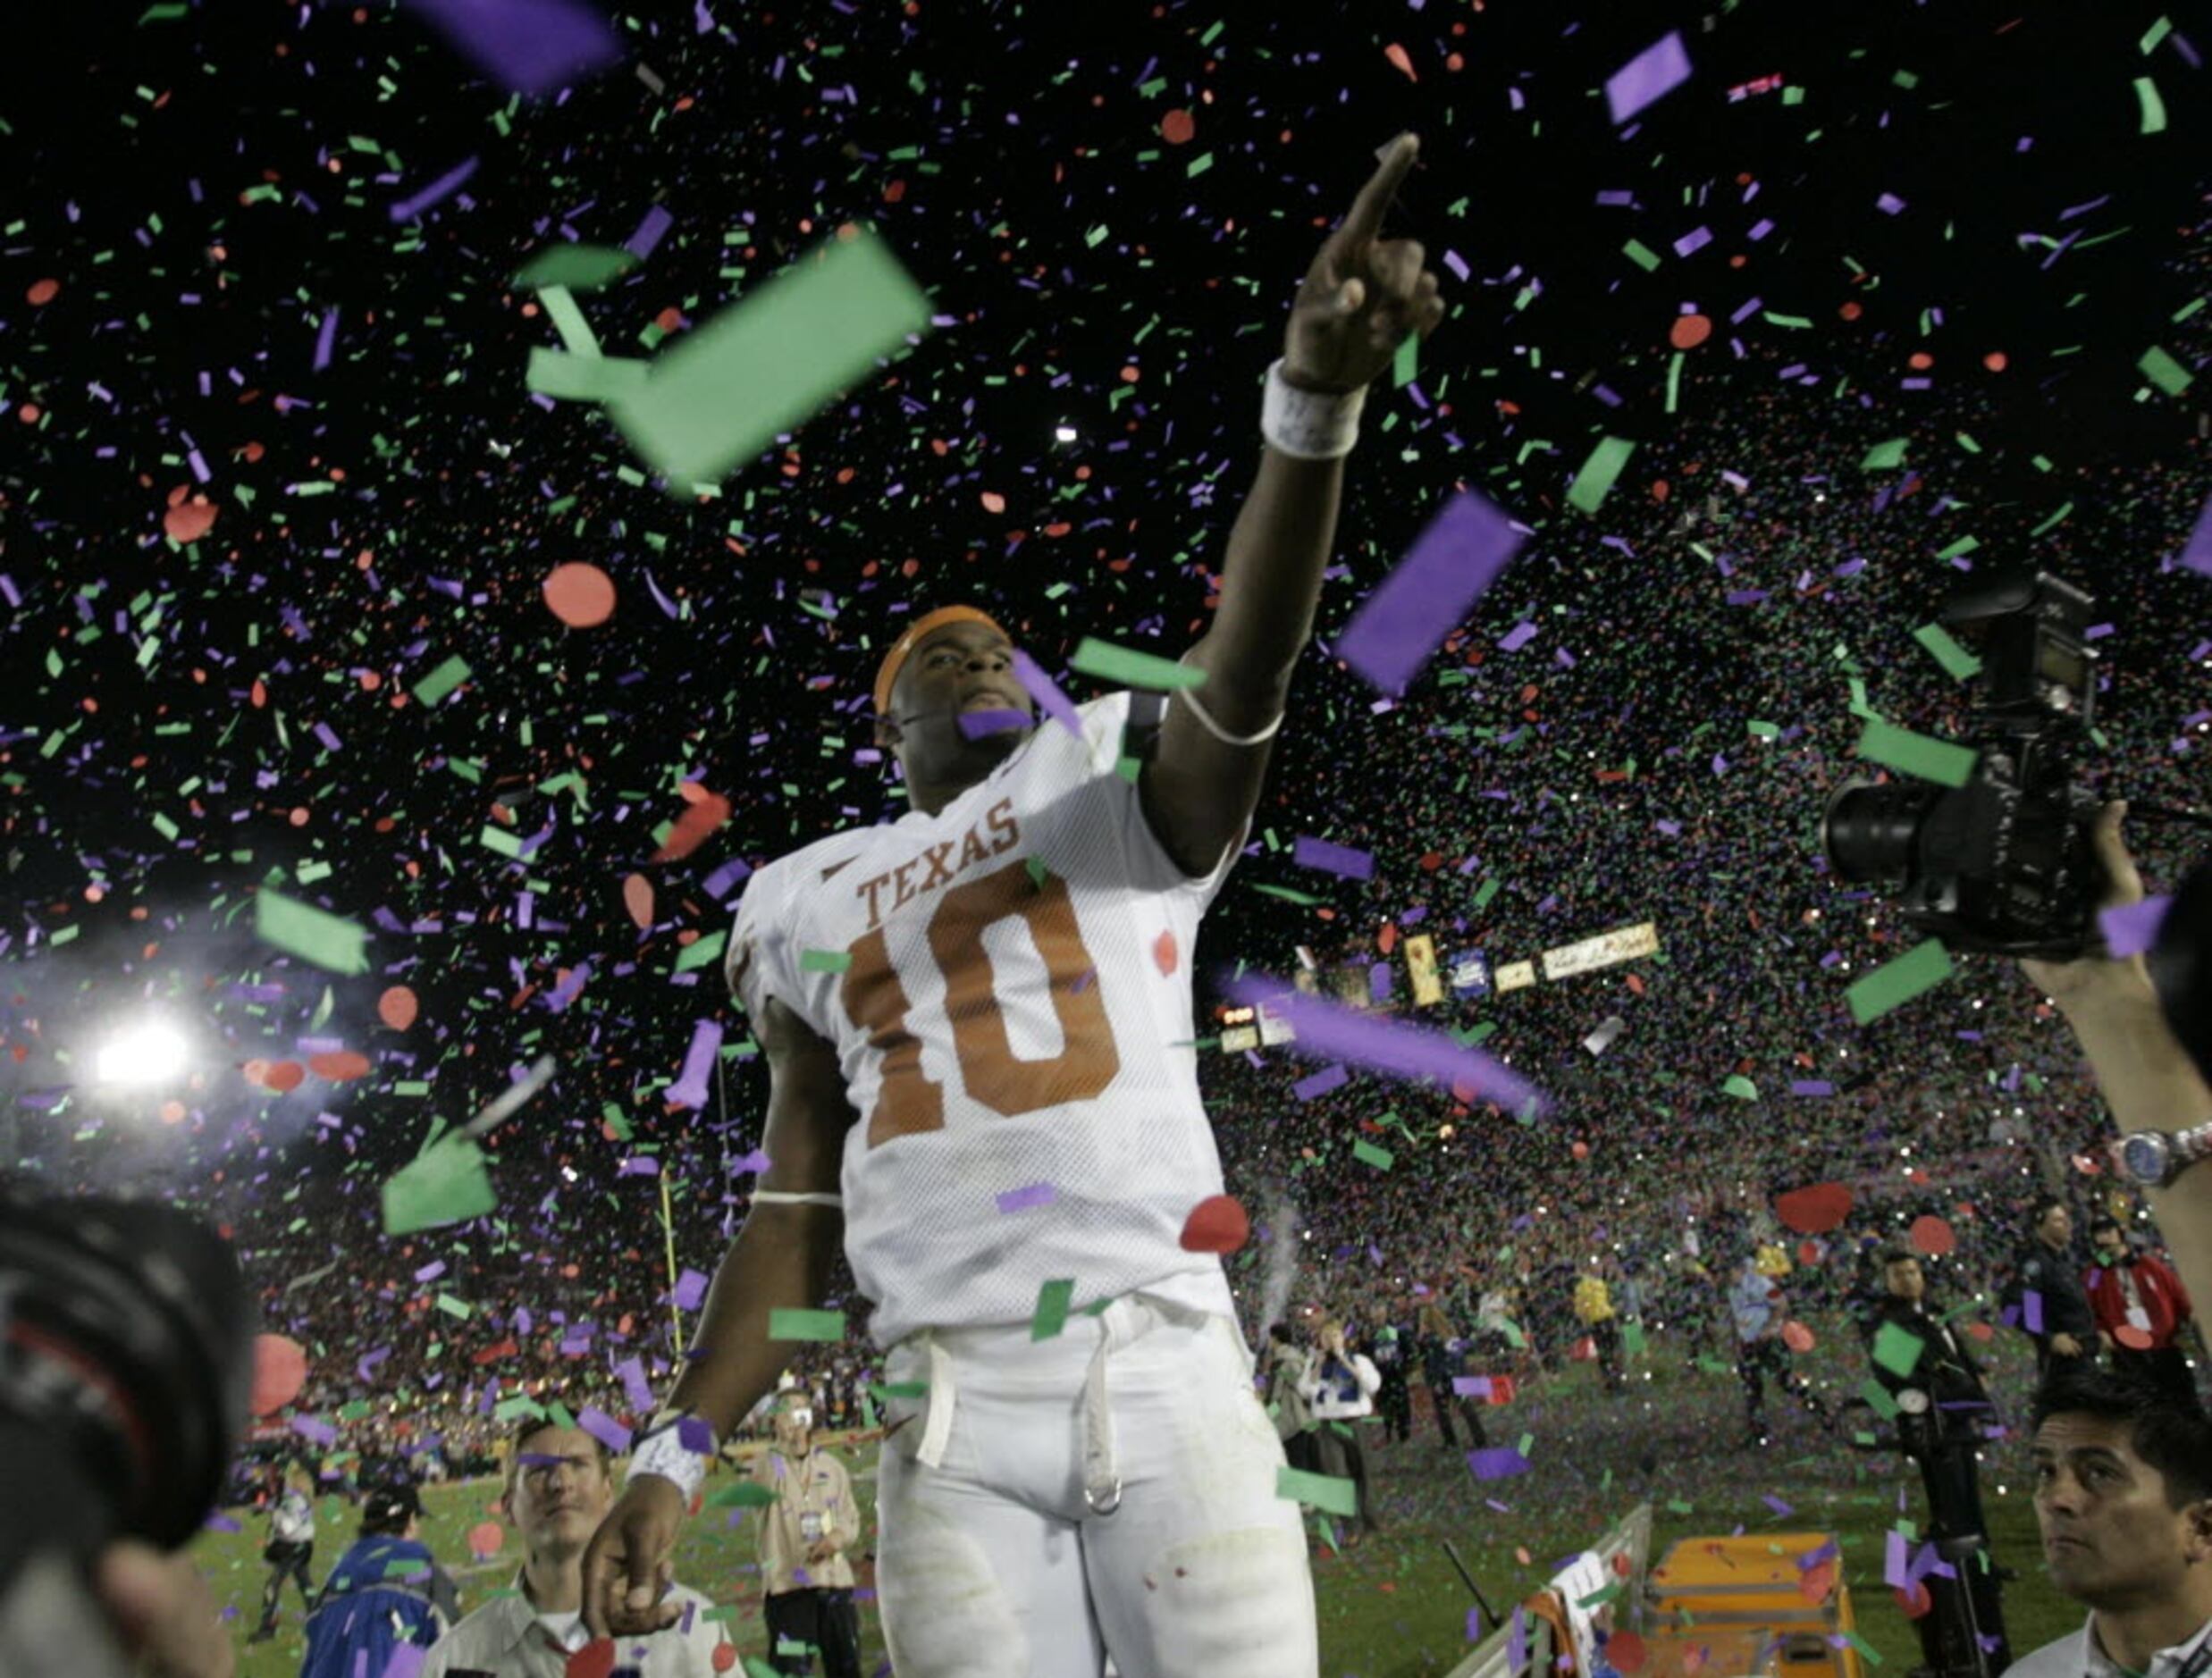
(887, 672)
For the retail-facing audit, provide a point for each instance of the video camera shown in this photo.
(2003, 864)
(126, 1369)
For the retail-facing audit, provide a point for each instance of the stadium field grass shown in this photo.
(1393, 1607)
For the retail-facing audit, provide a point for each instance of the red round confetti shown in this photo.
(1815, 1209)
(188, 521)
(725, 1656)
(341, 1066)
(1994, 361)
(593, 1660)
(1797, 1337)
(1216, 1224)
(396, 1007)
(42, 292)
(1689, 331)
(280, 1371)
(637, 898)
(487, 1538)
(582, 596)
(1816, 1582)
(2133, 1337)
(1913, 1602)
(1177, 128)
(285, 1076)
(1933, 1235)
(1625, 1651)
(1164, 954)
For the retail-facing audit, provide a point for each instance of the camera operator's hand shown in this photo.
(165, 1613)
(627, 1570)
(2066, 1346)
(2094, 979)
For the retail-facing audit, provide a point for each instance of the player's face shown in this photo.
(962, 670)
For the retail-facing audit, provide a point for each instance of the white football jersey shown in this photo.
(1007, 983)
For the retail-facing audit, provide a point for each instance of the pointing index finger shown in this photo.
(1366, 220)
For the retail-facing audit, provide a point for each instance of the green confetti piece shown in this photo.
(1595, 482)
(311, 934)
(500, 840)
(1642, 255)
(1125, 666)
(788, 1323)
(1866, 1649)
(1881, 456)
(745, 1495)
(1288, 893)
(701, 952)
(755, 1667)
(1038, 873)
(446, 1184)
(569, 321)
(1332, 1494)
(1741, 1087)
(2153, 106)
(1632, 1337)
(1897, 1349)
(1368, 1153)
(771, 361)
(2163, 371)
(1051, 1315)
(886, 1391)
(1955, 660)
(1405, 365)
(1909, 754)
(2156, 33)
(585, 378)
(441, 681)
(453, 1307)
(575, 268)
(824, 961)
(1895, 983)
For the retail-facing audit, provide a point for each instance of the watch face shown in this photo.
(2143, 1157)
(1913, 1402)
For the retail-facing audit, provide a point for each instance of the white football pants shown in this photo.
(998, 1556)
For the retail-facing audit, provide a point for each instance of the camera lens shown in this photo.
(1869, 831)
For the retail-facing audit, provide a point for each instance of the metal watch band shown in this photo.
(2189, 1146)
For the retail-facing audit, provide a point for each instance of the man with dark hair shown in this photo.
(2141, 1307)
(386, 1591)
(806, 1579)
(2047, 1287)
(2123, 1497)
(1917, 1353)
(560, 1486)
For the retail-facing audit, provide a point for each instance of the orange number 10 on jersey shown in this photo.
(876, 1001)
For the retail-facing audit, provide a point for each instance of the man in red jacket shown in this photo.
(2140, 1306)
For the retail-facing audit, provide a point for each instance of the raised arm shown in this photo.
(1360, 299)
(2147, 1078)
(781, 1258)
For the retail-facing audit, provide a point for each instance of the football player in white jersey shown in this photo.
(978, 1027)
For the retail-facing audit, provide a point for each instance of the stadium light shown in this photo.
(151, 1053)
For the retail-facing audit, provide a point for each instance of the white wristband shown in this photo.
(1308, 424)
(661, 1450)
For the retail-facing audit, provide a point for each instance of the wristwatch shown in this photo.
(2151, 1159)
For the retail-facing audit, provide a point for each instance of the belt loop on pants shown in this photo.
(1102, 1484)
(937, 1429)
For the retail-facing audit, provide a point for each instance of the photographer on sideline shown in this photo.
(2124, 1498)
(2157, 1096)
(1941, 1434)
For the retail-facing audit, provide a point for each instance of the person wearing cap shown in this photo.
(386, 1591)
(976, 1022)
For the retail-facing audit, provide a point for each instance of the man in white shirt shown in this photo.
(2123, 1497)
(1339, 1387)
(291, 1549)
(560, 1486)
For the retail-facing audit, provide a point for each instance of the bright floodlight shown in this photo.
(145, 1054)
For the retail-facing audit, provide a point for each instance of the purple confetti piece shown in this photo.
(528, 47)
(218, 1522)
(749, 1164)
(1890, 203)
(1023, 1199)
(976, 724)
(1810, 1087)
(695, 1436)
(1427, 594)
(636, 1388)
(1321, 1083)
(1658, 69)
(443, 186)
(1471, 1386)
(1047, 693)
(1893, 1562)
(1777, 1504)
(430, 1271)
(691, 1289)
(1518, 637)
(2132, 928)
(605, 1429)
(657, 223)
(1500, 1462)
(1474, 1626)
(718, 883)
(690, 1090)
(2031, 1311)
(1400, 1051)
(314, 1428)
(1517, 1640)
(1309, 852)
(324, 339)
